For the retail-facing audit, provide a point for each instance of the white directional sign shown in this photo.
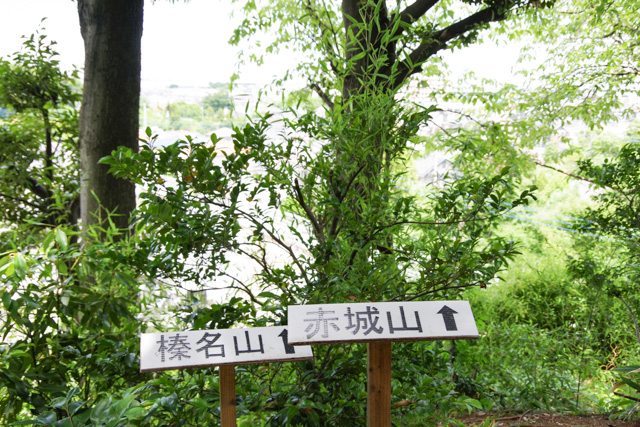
(190, 349)
(381, 321)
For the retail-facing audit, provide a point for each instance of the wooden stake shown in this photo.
(228, 395)
(379, 384)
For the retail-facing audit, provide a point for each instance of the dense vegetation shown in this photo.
(321, 206)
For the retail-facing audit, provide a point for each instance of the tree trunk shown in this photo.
(364, 24)
(112, 31)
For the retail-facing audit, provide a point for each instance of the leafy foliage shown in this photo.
(64, 338)
(354, 44)
(576, 69)
(256, 197)
(39, 180)
(341, 234)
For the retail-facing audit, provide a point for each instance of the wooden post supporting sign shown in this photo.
(224, 348)
(228, 395)
(379, 324)
(379, 384)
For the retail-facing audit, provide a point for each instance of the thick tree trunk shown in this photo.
(112, 31)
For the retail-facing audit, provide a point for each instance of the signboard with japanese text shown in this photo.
(382, 321)
(190, 349)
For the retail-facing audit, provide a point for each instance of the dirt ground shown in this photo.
(543, 420)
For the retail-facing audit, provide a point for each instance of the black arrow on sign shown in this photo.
(288, 348)
(449, 321)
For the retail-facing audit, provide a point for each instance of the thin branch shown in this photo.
(17, 199)
(582, 178)
(38, 189)
(322, 94)
(468, 218)
(334, 224)
(350, 183)
(635, 399)
(383, 227)
(460, 221)
(413, 12)
(308, 211)
(270, 233)
(633, 317)
(437, 41)
(334, 33)
(59, 143)
(468, 116)
(432, 291)
(243, 287)
(324, 28)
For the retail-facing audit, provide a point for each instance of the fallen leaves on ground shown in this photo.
(543, 420)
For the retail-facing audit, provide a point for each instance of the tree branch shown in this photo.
(582, 178)
(243, 287)
(455, 222)
(446, 287)
(270, 233)
(38, 189)
(415, 11)
(17, 199)
(635, 399)
(633, 317)
(324, 29)
(433, 43)
(308, 211)
(341, 196)
(322, 94)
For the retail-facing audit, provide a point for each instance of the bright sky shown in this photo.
(183, 43)
(186, 43)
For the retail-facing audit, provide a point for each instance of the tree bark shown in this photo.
(112, 31)
(365, 37)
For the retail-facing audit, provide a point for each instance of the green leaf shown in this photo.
(123, 404)
(136, 412)
(267, 294)
(81, 418)
(292, 412)
(48, 240)
(359, 56)
(125, 279)
(61, 238)
(47, 418)
(100, 411)
(4, 261)
(66, 422)
(59, 402)
(169, 402)
(200, 403)
(65, 298)
(631, 384)
(626, 368)
(75, 406)
(473, 402)
(8, 269)
(20, 265)
(18, 353)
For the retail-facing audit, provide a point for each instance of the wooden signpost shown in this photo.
(379, 324)
(222, 347)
